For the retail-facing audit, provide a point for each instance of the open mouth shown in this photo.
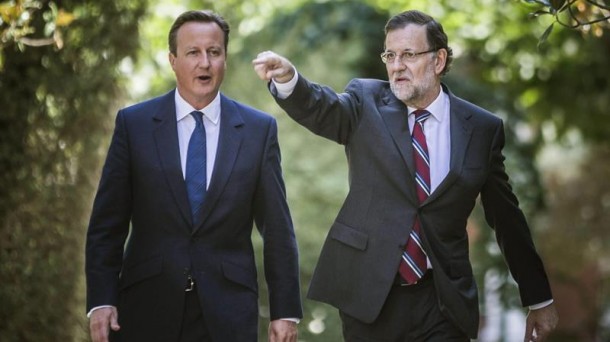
(204, 78)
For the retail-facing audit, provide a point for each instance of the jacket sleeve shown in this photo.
(109, 222)
(323, 111)
(274, 222)
(513, 235)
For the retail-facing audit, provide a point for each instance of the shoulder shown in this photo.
(154, 102)
(369, 84)
(368, 89)
(469, 109)
(150, 108)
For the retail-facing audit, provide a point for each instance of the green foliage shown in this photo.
(576, 237)
(16, 23)
(585, 15)
(57, 105)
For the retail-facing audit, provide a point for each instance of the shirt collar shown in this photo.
(438, 108)
(211, 111)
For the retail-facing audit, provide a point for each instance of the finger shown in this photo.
(529, 333)
(541, 333)
(267, 73)
(267, 62)
(114, 321)
(272, 337)
(265, 68)
(259, 61)
(271, 74)
(261, 71)
(266, 54)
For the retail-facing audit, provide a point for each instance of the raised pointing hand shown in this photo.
(269, 65)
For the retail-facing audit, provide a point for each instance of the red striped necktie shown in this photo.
(414, 260)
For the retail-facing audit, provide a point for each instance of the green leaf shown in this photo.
(545, 35)
(540, 2)
(539, 13)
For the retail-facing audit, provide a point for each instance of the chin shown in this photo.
(401, 93)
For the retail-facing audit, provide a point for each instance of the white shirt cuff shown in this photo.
(295, 320)
(285, 89)
(541, 305)
(98, 307)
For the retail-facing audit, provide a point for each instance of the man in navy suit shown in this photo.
(159, 270)
(396, 260)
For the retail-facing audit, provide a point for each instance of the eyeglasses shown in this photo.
(388, 57)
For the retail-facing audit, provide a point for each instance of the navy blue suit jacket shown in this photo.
(141, 242)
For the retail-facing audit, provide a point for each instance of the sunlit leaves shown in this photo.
(16, 17)
(16, 23)
(546, 34)
(574, 14)
(57, 105)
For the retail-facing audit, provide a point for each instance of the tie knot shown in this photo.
(421, 115)
(198, 117)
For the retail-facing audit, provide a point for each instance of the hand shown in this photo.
(540, 323)
(269, 65)
(282, 331)
(101, 321)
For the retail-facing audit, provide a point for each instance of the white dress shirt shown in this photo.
(438, 137)
(186, 125)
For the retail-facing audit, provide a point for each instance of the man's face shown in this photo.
(415, 82)
(199, 63)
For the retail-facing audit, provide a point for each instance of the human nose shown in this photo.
(204, 60)
(397, 64)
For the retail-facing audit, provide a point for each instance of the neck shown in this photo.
(198, 102)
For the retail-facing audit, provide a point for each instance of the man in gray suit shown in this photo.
(396, 260)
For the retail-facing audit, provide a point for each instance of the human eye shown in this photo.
(390, 56)
(215, 52)
(408, 55)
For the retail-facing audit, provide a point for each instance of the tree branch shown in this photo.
(597, 4)
(598, 20)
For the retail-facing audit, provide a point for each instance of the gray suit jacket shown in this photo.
(361, 254)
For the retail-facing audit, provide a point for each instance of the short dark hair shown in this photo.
(437, 39)
(203, 16)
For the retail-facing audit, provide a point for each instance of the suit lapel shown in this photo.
(168, 150)
(229, 142)
(461, 131)
(394, 114)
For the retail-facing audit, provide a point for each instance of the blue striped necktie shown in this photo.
(195, 176)
(414, 260)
